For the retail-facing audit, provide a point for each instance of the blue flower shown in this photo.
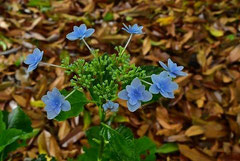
(135, 94)
(55, 103)
(163, 84)
(172, 69)
(111, 106)
(33, 59)
(135, 29)
(80, 32)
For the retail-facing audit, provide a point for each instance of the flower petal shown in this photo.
(155, 78)
(154, 89)
(82, 29)
(45, 98)
(66, 106)
(133, 108)
(123, 94)
(147, 96)
(31, 67)
(136, 82)
(30, 59)
(72, 36)
(132, 101)
(89, 32)
(163, 65)
(165, 94)
(51, 114)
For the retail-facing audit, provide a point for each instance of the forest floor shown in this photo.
(202, 36)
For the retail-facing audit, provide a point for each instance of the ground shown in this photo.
(202, 36)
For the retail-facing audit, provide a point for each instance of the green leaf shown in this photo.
(121, 142)
(146, 147)
(21, 141)
(9, 136)
(231, 37)
(108, 17)
(91, 154)
(86, 119)
(77, 101)
(2, 124)
(44, 5)
(168, 148)
(152, 69)
(19, 120)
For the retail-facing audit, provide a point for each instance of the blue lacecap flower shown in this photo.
(55, 103)
(33, 59)
(80, 32)
(135, 29)
(163, 84)
(135, 94)
(111, 106)
(172, 69)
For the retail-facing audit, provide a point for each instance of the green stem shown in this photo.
(101, 113)
(53, 65)
(111, 118)
(101, 149)
(90, 49)
(146, 82)
(130, 37)
(1, 155)
(70, 93)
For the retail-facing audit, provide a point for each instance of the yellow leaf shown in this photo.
(37, 103)
(216, 32)
(163, 21)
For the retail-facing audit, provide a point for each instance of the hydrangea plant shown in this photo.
(107, 78)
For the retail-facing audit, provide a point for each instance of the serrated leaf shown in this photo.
(168, 148)
(77, 101)
(9, 136)
(19, 120)
(121, 143)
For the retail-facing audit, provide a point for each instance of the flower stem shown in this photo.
(70, 93)
(101, 113)
(90, 49)
(130, 37)
(148, 76)
(146, 82)
(101, 149)
(53, 65)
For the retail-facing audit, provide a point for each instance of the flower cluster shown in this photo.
(162, 83)
(103, 75)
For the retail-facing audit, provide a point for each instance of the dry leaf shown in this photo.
(194, 130)
(146, 45)
(193, 154)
